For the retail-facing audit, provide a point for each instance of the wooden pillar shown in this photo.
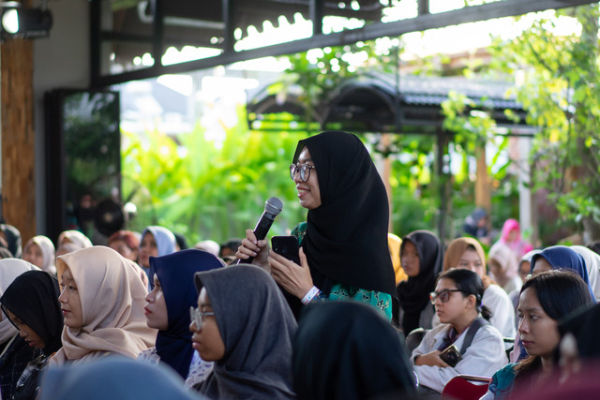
(17, 135)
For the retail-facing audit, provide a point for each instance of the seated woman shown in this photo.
(478, 345)
(359, 354)
(592, 265)
(71, 240)
(504, 268)
(15, 353)
(561, 257)
(156, 242)
(467, 253)
(244, 325)
(31, 304)
(102, 302)
(126, 243)
(344, 253)
(422, 255)
(168, 310)
(114, 378)
(39, 251)
(545, 299)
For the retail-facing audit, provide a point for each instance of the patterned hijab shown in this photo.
(112, 298)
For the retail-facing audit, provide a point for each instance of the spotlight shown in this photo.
(28, 23)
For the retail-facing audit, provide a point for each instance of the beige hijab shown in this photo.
(112, 305)
(48, 251)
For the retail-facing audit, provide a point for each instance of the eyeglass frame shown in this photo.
(433, 296)
(197, 316)
(302, 169)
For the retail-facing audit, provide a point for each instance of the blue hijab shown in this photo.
(164, 238)
(175, 273)
(562, 257)
(113, 378)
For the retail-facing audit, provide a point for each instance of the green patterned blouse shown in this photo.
(380, 300)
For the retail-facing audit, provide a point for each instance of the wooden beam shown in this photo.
(498, 9)
(18, 137)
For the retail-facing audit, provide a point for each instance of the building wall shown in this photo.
(60, 61)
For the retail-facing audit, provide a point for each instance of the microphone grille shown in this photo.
(273, 206)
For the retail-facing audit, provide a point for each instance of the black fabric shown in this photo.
(346, 350)
(413, 294)
(13, 363)
(28, 385)
(256, 326)
(33, 298)
(346, 237)
(584, 325)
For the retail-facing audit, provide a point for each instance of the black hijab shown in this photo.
(13, 239)
(346, 350)
(346, 237)
(413, 294)
(33, 298)
(256, 326)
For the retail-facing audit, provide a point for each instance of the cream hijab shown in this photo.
(112, 304)
(10, 269)
(47, 248)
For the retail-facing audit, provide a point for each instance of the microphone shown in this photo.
(273, 207)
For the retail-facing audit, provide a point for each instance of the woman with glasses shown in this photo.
(464, 343)
(344, 252)
(168, 310)
(546, 299)
(244, 325)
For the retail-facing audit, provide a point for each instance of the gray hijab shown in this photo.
(257, 327)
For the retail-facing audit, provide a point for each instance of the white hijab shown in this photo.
(47, 248)
(10, 269)
(592, 263)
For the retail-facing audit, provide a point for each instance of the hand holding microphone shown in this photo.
(254, 249)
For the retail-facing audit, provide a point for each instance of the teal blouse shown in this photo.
(380, 300)
(502, 382)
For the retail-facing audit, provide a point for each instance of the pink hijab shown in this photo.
(518, 246)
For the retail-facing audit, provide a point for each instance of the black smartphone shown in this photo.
(450, 355)
(287, 246)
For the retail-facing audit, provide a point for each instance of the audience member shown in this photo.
(422, 256)
(545, 299)
(12, 236)
(344, 252)
(113, 378)
(76, 238)
(15, 353)
(244, 325)
(126, 243)
(168, 310)
(346, 350)
(31, 304)
(394, 243)
(102, 301)
(560, 257)
(210, 246)
(229, 248)
(511, 236)
(592, 265)
(478, 346)
(39, 251)
(467, 253)
(477, 225)
(180, 242)
(504, 268)
(156, 242)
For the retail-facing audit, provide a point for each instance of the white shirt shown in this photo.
(483, 357)
(503, 312)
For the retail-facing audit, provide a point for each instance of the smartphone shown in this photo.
(287, 246)
(450, 355)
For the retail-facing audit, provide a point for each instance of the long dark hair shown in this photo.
(560, 292)
(469, 283)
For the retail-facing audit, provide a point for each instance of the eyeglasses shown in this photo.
(303, 169)
(443, 295)
(197, 316)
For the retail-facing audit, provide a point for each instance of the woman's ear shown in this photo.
(472, 301)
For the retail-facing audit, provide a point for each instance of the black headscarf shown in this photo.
(13, 239)
(256, 326)
(33, 298)
(413, 294)
(346, 237)
(346, 350)
(175, 273)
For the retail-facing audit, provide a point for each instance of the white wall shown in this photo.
(60, 61)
